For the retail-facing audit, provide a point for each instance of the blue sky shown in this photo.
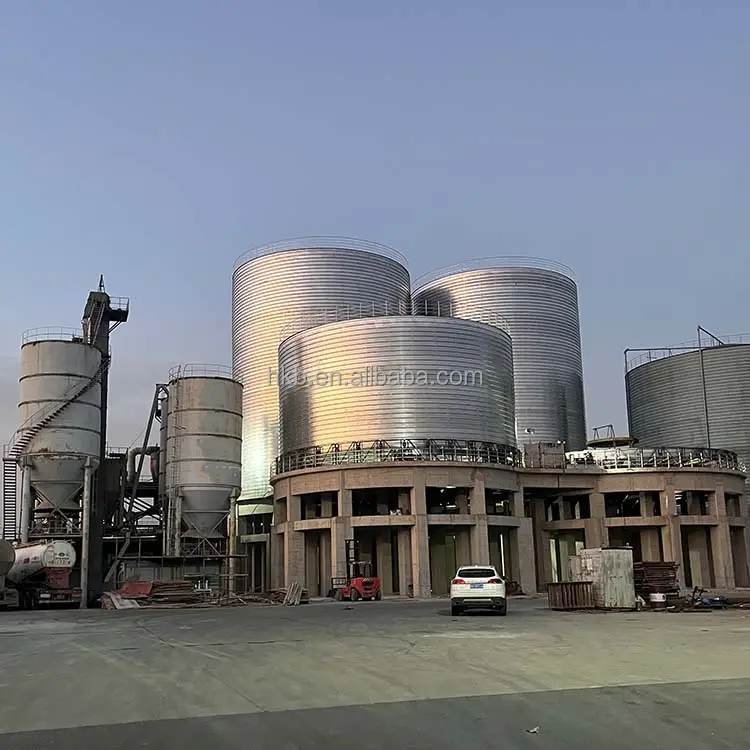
(155, 142)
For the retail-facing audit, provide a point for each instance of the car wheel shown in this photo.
(378, 595)
(339, 595)
(355, 595)
(502, 611)
(455, 611)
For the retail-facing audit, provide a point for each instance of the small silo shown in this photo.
(538, 299)
(403, 378)
(285, 286)
(691, 397)
(203, 452)
(57, 440)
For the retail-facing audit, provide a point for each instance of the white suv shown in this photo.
(478, 587)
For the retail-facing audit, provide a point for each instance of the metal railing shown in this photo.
(642, 356)
(469, 451)
(498, 262)
(199, 370)
(436, 310)
(620, 459)
(51, 333)
(388, 451)
(322, 243)
(312, 317)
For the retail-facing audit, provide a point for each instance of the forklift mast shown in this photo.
(352, 558)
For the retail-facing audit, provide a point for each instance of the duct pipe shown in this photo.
(132, 454)
(88, 481)
(26, 501)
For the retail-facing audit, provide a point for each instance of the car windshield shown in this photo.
(476, 573)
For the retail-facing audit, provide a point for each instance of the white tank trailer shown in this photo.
(57, 442)
(203, 454)
(34, 573)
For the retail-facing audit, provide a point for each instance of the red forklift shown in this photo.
(359, 582)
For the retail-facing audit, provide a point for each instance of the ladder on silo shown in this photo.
(10, 483)
(173, 426)
(16, 449)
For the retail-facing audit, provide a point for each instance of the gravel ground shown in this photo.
(372, 675)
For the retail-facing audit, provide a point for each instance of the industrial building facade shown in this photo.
(418, 522)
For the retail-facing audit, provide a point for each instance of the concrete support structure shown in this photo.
(526, 522)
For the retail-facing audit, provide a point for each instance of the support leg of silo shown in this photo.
(88, 477)
(232, 541)
(25, 501)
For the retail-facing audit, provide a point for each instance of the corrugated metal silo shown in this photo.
(203, 448)
(670, 393)
(396, 378)
(284, 286)
(59, 417)
(538, 299)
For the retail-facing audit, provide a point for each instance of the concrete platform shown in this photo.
(373, 675)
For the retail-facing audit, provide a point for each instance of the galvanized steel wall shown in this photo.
(331, 391)
(52, 371)
(540, 308)
(666, 407)
(283, 288)
(203, 445)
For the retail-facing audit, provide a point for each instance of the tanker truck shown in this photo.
(40, 574)
(8, 595)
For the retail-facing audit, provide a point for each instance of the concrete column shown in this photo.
(420, 545)
(541, 544)
(477, 505)
(522, 556)
(596, 534)
(404, 561)
(721, 550)
(277, 547)
(671, 533)
(341, 530)
(516, 504)
(480, 542)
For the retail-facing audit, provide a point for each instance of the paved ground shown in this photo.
(373, 675)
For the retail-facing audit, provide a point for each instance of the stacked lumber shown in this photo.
(282, 596)
(147, 593)
(655, 578)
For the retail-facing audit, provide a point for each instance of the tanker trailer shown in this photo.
(8, 595)
(41, 574)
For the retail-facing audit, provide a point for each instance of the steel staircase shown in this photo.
(16, 449)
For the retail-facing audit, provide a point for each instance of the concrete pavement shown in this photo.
(324, 674)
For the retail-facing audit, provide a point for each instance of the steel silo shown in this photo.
(671, 392)
(397, 378)
(538, 299)
(283, 287)
(59, 421)
(203, 449)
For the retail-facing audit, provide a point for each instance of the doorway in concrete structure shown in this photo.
(739, 557)
(500, 549)
(697, 556)
(379, 546)
(450, 548)
(645, 541)
(318, 561)
(256, 566)
(562, 546)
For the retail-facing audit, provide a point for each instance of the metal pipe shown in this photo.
(177, 521)
(232, 540)
(703, 389)
(85, 532)
(26, 501)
